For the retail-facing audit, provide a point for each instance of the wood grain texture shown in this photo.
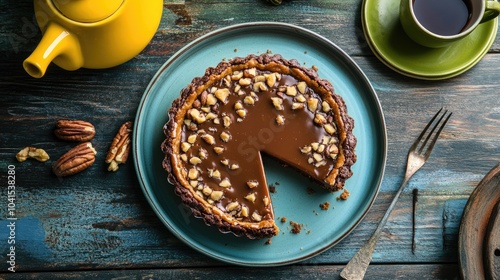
(98, 224)
(375, 272)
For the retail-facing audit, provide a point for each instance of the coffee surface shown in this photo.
(442, 17)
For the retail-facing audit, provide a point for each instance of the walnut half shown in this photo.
(32, 152)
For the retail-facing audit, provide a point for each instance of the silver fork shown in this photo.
(417, 156)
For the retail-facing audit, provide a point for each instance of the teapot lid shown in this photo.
(87, 11)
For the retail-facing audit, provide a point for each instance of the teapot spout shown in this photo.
(57, 45)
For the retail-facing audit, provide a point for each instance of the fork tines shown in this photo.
(439, 123)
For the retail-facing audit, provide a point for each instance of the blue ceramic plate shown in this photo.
(296, 197)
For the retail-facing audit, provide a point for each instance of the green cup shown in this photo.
(479, 11)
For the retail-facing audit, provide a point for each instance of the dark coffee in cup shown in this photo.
(443, 17)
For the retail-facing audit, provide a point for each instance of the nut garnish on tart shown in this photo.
(223, 121)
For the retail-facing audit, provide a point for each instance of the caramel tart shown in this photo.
(225, 120)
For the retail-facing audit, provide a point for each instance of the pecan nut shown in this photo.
(120, 147)
(74, 130)
(32, 152)
(75, 160)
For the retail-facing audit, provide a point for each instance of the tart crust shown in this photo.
(190, 114)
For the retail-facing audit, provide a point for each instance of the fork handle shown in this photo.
(356, 268)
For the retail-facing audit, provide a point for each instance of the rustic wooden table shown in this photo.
(99, 225)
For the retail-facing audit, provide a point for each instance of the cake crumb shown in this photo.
(315, 68)
(283, 219)
(296, 227)
(324, 206)
(268, 242)
(310, 190)
(344, 195)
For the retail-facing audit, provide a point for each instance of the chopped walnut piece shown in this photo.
(192, 138)
(242, 113)
(312, 104)
(226, 121)
(330, 129)
(250, 197)
(216, 195)
(278, 103)
(252, 184)
(306, 149)
(234, 166)
(249, 100)
(291, 91)
(259, 86)
(209, 139)
(297, 105)
(225, 136)
(222, 94)
(197, 115)
(185, 146)
(256, 217)
(244, 211)
(218, 150)
(245, 81)
(252, 72)
(232, 206)
(214, 173)
(225, 183)
(301, 86)
(237, 75)
(300, 98)
(207, 190)
(266, 201)
(211, 99)
(326, 107)
(270, 79)
(280, 120)
(193, 173)
(319, 119)
(195, 160)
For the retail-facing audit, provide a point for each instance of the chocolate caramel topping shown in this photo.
(225, 120)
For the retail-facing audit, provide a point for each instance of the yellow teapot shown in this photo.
(92, 33)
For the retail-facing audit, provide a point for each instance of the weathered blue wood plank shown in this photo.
(375, 272)
(101, 220)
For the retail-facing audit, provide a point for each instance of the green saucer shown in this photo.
(393, 47)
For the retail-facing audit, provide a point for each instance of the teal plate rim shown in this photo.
(319, 233)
